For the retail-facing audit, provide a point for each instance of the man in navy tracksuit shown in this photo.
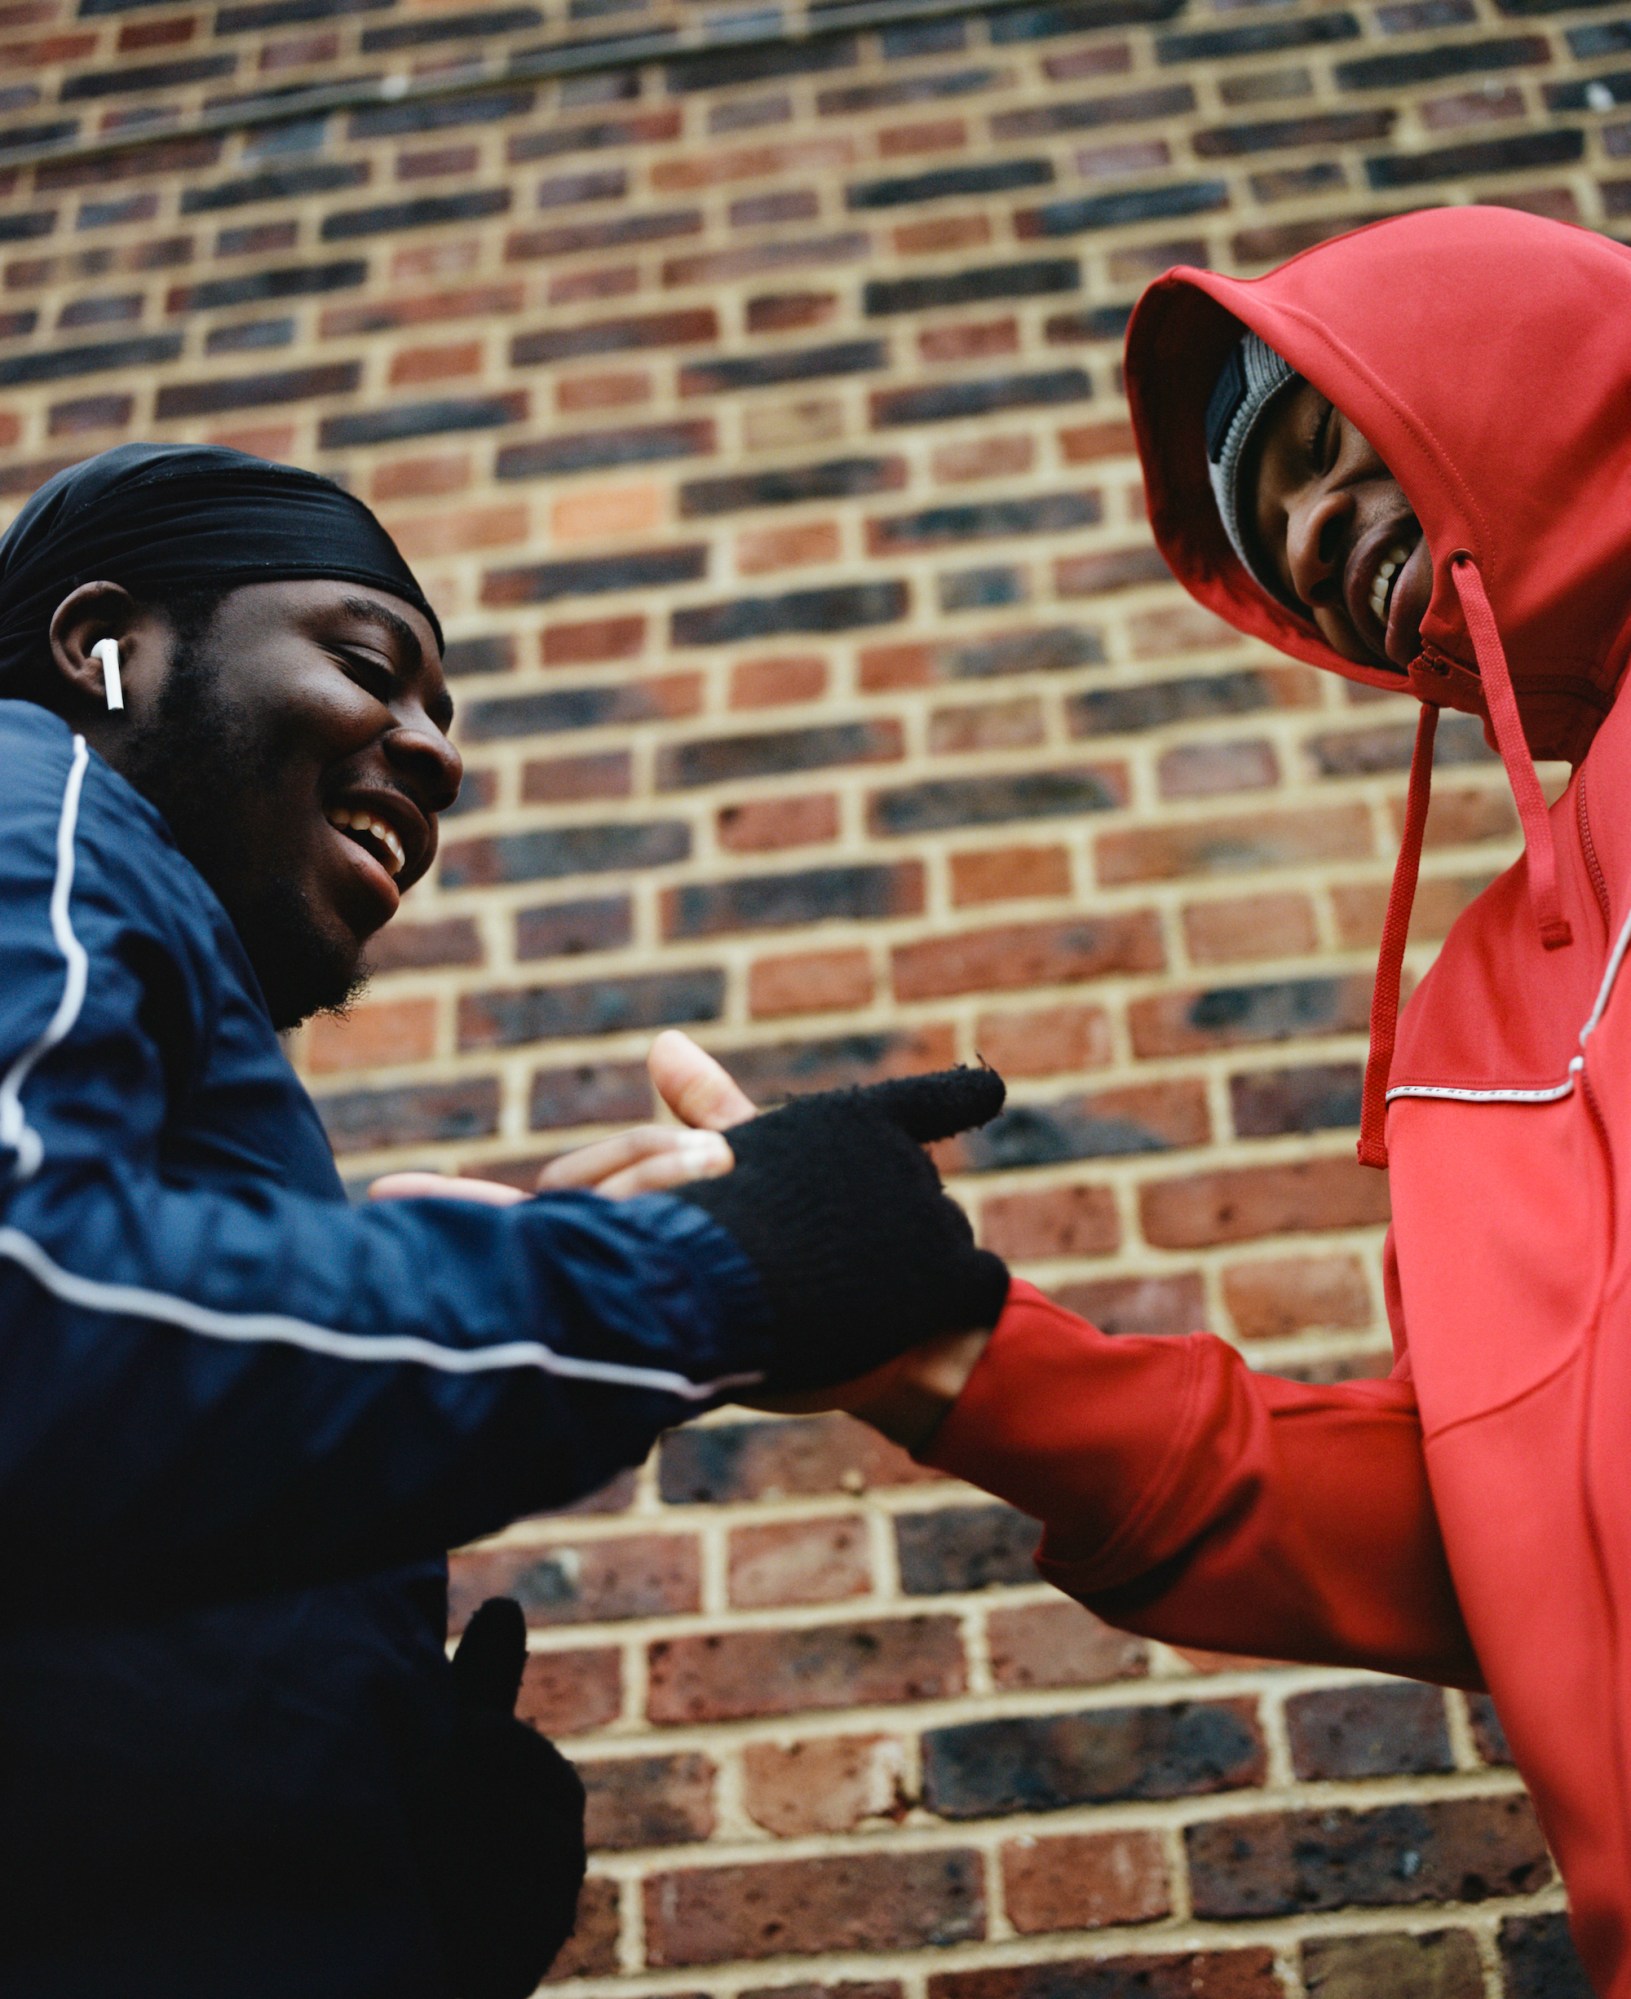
(240, 1421)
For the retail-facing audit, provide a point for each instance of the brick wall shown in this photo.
(752, 412)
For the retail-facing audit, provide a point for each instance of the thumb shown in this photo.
(941, 1104)
(694, 1086)
(492, 1656)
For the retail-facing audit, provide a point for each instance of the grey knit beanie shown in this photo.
(1250, 381)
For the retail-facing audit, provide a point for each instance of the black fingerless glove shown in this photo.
(508, 1844)
(859, 1249)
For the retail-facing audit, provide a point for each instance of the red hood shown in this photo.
(1487, 356)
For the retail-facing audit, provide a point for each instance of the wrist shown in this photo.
(921, 1388)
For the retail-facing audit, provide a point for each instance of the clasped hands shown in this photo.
(905, 1398)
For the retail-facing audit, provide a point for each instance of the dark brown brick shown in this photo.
(732, 1674)
(1323, 1096)
(648, 1800)
(1039, 1763)
(586, 1582)
(500, 1019)
(771, 753)
(877, 1901)
(1444, 1850)
(601, 1093)
(410, 1114)
(1104, 1124)
(1427, 1964)
(549, 853)
(1232, 1974)
(564, 929)
(964, 1548)
(1368, 1731)
(990, 801)
(1018, 955)
(594, 575)
(813, 895)
(840, 607)
(726, 1462)
(288, 385)
(1539, 1961)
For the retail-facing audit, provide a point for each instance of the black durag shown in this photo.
(162, 519)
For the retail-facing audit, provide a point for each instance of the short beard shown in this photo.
(193, 763)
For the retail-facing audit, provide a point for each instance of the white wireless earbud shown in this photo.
(107, 651)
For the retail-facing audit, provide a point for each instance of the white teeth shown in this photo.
(1381, 589)
(366, 822)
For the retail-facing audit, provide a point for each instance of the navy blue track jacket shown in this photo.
(239, 1423)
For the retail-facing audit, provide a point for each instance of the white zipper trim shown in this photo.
(133, 1301)
(1551, 1093)
(15, 1130)
(275, 1328)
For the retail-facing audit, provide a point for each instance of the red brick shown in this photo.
(583, 1582)
(1086, 443)
(969, 342)
(606, 513)
(373, 1033)
(1490, 105)
(423, 477)
(709, 167)
(799, 1561)
(594, 640)
(790, 426)
(1059, 1644)
(941, 234)
(1044, 1040)
(759, 550)
(1085, 1881)
(729, 1675)
(982, 458)
(1238, 929)
(569, 1693)
(591, 1950)
(1461, 815)
(1008, 874)
(1235, 1205)
(647, 1800)
(1029, 954)
(1228, 846)
(809, 982)
(559, 780)
(823, 1784)
(460, 531)
(604, 389)
(1051, 1221)
(1360, 908)
(1275, 1296)
(1174, 1302)
(1107, 570)
(872, 1901)
(987, 725)
(765, 825)
(782, 312)
(935, 135)
(773, 683)
(136, 35)
(1203, 770)
(435, 162)
(437, 364)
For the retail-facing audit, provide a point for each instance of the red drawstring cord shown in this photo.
(1539, 848)
(1384, 1001)
(1538, 845)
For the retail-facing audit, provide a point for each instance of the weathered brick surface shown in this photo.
(754, 419)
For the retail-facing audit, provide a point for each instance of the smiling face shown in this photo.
(297, 747)
(1333, 527)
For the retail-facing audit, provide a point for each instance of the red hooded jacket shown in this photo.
(1469, 1519)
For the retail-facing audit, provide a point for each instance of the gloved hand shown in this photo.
(509, 1855)
(859, 1249)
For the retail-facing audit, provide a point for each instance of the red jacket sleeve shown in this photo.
(1186, 1498)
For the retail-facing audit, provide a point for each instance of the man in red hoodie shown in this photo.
(1406, 457)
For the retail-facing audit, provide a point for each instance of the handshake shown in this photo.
(860, 1253)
